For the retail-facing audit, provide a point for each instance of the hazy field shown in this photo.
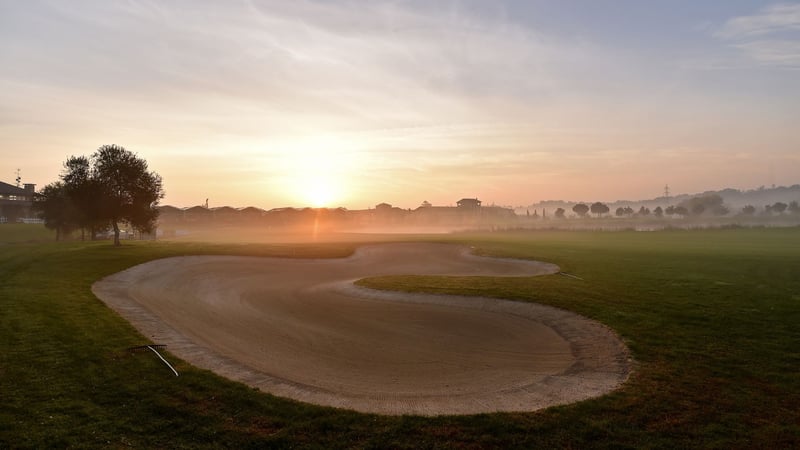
(710, 317)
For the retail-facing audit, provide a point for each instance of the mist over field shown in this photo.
(714, 209)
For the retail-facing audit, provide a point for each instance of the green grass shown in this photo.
(23, 232)
(711, 318)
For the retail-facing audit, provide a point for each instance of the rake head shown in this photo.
(144, 348)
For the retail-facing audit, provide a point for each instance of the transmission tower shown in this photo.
(19, 178)
(666, 191)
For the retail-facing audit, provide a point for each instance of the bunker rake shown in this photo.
(153, 347)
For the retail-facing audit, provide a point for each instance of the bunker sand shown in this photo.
(300, 329)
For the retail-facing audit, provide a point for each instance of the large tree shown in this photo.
(110, 187)
(127, 191)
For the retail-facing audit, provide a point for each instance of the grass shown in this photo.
(710, 316)
(23, 232)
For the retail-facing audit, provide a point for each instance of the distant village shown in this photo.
(468, 212)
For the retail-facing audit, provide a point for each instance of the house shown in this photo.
(167, 213)
(16, 203)
(469, 203)
(197, 213)
(224, 213)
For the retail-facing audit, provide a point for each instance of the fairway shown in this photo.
(710, 318)
(299, 329)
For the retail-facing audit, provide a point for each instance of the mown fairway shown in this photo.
(711, 318)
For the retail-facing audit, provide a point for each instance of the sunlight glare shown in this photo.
(318, 170)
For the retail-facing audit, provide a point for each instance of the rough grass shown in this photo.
(710, 316)
(23, 232)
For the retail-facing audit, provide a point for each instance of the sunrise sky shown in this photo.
(353, 103)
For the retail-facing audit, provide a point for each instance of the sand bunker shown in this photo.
(301, 329)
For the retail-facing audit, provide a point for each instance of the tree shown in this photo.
(658, 212)
(749, 210)
(711, 203)
(57, 209)
(81, 186)
(794, 208)
(599, 208)
(779, 207)
(560, 213)
(644, 212)
(113, 185)
(580, 209)
(126, 191)
(619, 212)
(720, 210)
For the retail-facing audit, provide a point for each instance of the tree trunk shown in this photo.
(116, 233)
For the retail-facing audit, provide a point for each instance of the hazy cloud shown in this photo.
(771, 37)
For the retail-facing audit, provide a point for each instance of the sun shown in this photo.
(319, 191)
(318, 172)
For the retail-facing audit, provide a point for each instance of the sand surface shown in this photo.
(300, 329)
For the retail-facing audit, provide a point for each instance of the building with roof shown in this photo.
(469, 203)
(15, 202)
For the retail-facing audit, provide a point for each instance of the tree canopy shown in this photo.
(110, 187)
(580, 209)
(599, 208)
(57, 208)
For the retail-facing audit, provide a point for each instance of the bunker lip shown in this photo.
(301, 329)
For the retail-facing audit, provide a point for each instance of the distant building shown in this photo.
(16, 203)
(469, 203)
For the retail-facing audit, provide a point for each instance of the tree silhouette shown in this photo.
(127, 191)
(110, 187)
(658, 212)
(599, 209)
(56, 207)
(560, 213)
(81, 186)
(580, 209)
(779, 207)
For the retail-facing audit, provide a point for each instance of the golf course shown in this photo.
(709, 319)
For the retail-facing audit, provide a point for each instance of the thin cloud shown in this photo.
(772, 19)
(771, 37)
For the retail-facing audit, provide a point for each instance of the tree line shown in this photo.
(697, 206)
(97, 193)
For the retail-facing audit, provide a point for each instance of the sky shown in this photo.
(353, 103)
